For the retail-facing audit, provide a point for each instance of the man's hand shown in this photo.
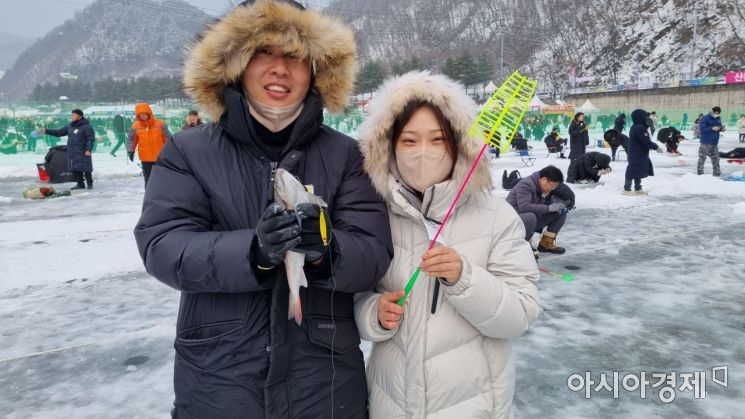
(443, 262)
(315, 234)
(717, 128)
(390, 313)
(87, 153)
(556, 207)
(276, 232)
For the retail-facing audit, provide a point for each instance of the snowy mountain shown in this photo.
(617, 42)
(109, 38)
(11, 47)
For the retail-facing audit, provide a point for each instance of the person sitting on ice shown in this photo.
(588, 167)
(671, 137)
(554, 143)
(736, 153)
(535, 202)
(519, 142)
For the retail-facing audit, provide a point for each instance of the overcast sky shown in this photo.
(34, 18)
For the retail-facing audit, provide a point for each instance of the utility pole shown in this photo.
(501, 54)
(693, 41)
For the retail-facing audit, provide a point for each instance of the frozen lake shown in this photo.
(659, 286)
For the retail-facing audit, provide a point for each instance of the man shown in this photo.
(148, 136)
(554, 143)
(652, 122)
(211, 229)
(710, 127)
(671, 137)
(620, 123)
(735, 153)
(192, 120)
(615, 139)
(588, 168)
(535, 203)
(80, 139)
(119, 126)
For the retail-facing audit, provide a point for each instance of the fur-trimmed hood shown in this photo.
(390, 100)
(219, 58)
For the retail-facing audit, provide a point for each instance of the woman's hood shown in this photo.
(220, 56)
(390, 100)
(639, 116)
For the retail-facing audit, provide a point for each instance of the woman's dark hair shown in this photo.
(447, 130)
(577, 115)
(193, 112)
(552, 173)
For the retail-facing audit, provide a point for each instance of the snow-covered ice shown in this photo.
(659, 287)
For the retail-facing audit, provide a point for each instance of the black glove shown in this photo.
(316, 235)
(276, 232)
(131, 155)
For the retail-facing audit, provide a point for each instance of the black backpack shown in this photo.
(509, 181)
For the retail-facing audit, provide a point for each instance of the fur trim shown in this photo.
(390, 100)
(219, 58)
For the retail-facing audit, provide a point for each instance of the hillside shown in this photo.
(109, 38)
(617, 42)
(11, 47)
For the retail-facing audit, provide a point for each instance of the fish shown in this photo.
(290, 192)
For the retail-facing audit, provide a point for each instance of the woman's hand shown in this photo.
(390, 313)
(442, 262)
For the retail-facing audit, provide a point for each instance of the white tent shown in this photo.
(587, 107)
(536, 104)
(490, 88)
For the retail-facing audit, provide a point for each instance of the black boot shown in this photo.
(78, 186)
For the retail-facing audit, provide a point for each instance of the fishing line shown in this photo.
(333, 324)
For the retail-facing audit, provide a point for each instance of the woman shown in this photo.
(640, 166)
(446, 353)
(578, 136)
(741, 128)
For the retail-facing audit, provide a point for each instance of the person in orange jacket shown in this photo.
(148, 135)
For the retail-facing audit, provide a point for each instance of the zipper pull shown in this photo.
(272, 177)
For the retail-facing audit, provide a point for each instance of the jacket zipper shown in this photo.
(436, 293)
(272, 176)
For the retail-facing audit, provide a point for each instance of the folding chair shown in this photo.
(552, 150)
(527, 159)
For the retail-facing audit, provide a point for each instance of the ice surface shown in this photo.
(86, 333)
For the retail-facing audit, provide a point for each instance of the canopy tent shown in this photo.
(490, 88)
(536, 104)
(588, 107)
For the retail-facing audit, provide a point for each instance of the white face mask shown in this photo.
(422, 169)
(274, 119)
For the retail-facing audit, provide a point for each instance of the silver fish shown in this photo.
(289, 191)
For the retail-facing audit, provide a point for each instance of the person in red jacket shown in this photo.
(148, 136)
